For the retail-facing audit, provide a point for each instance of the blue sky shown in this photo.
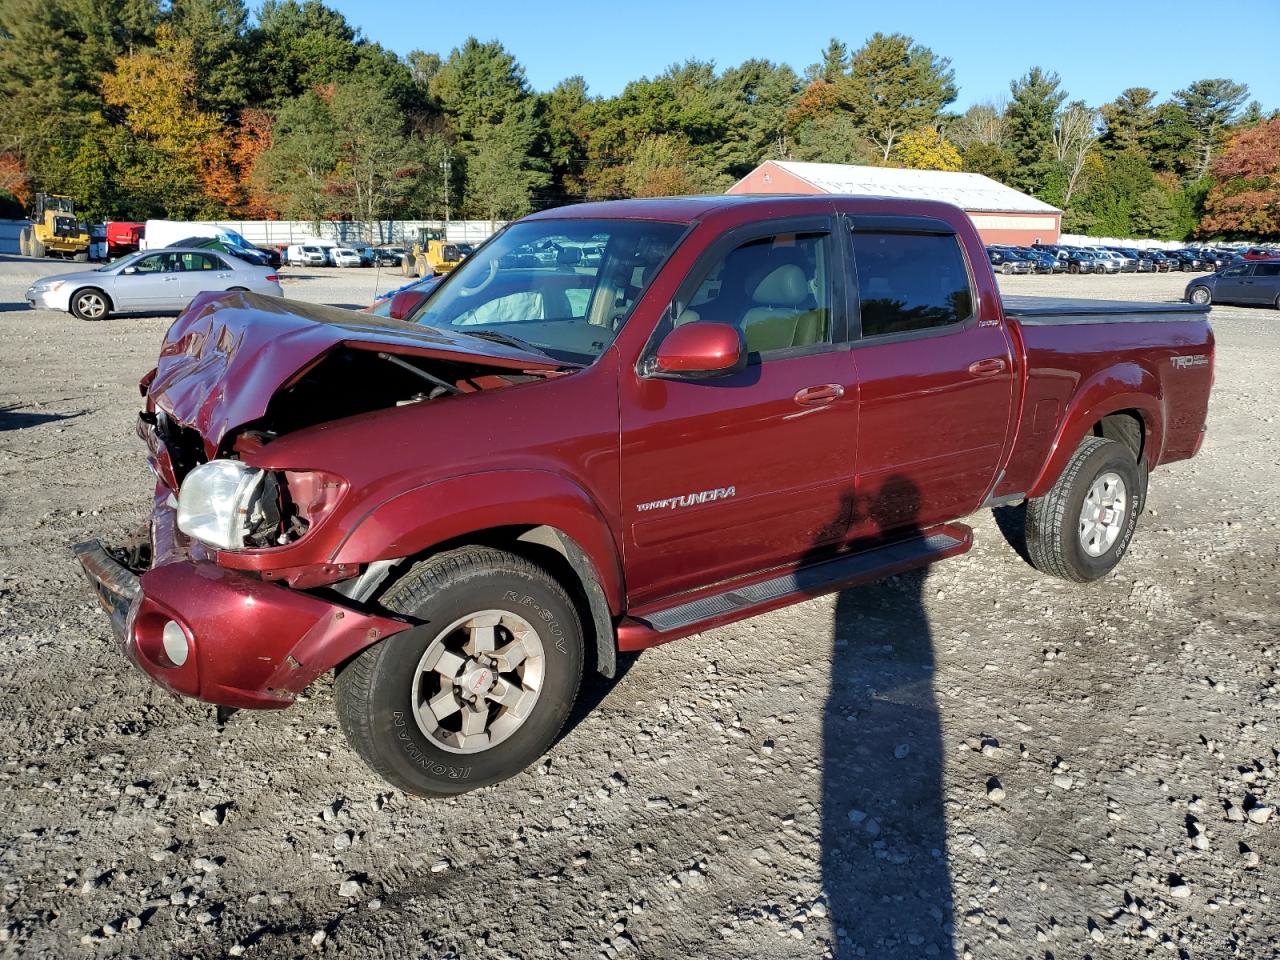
(1097, 48)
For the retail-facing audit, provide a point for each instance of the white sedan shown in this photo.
(152, 281)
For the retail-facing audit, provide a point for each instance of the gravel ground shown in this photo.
(973, 762)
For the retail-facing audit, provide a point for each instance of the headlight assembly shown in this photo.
(217, 501)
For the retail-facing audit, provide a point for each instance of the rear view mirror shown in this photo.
(699, 350)
(404, 303)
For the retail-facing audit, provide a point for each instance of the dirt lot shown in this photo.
(976, 762)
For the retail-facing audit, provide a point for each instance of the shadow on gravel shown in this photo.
(1012, 521)
(13, 306)
(15, 418)
(884, 852)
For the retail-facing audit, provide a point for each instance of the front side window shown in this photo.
(1239, 270)
(157, 263)
(561, 287)
(776, 290)
(909, 282)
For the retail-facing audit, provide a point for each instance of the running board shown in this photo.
(647, 628)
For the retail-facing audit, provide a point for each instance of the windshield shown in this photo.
(121, 262)
(562, 287)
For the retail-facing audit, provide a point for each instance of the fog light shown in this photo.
(176, 647)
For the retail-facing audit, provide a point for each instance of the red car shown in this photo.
(1259, 253)
(616, 424)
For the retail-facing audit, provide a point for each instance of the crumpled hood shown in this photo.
(227, 354)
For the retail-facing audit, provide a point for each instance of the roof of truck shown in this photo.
(688, 209)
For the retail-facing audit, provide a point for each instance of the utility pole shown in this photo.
(445, 165)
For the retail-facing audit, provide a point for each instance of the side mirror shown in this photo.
(700, 350)
(129, 270)
(406, 302)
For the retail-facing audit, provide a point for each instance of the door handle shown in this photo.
(987, 368)
(822, 393)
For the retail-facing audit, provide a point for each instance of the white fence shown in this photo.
(282, 232)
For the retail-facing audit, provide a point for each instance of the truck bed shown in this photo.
(1046, 311)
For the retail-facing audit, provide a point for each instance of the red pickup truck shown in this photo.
(614, 425)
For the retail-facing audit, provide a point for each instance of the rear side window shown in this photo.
(909, 282)
(1267, 270)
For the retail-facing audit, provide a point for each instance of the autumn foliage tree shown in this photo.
(1245, 201)
(178, 150)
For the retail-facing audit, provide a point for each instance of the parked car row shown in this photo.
(323, 255)
(1066, 258)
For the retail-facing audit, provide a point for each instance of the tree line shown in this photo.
(196, 109)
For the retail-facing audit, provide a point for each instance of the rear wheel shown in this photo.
(81, 257)
(1201, 295)
(480, 689)
(90, 304)
(24, 242)
(36, 247)
(1081, 528)
(406, 268)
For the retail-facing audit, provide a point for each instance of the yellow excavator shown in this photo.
(56, 232)
(430, 255)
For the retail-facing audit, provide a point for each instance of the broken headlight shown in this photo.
(218, 501)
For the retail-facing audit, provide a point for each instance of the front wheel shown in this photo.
(90, 304)
(1201, 295)
(1081, 528)
(480, 689)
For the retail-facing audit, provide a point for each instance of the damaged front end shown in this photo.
(228, 596)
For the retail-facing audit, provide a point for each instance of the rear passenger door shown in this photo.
(201, 272)
(1266, 283)
(740, 473)
(935, 376)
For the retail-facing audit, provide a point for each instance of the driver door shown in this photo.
(731, 475)
(154, 284)
(1233, 286)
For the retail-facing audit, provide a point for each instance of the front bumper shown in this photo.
(45, 299)
(250, 643)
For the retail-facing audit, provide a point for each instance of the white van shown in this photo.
(164, 233)
(306, 255)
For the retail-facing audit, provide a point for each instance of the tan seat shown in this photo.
(778, 319)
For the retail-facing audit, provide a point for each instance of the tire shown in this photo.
(90, 304)
(1200, 295)
(1073, 268)
(405, 269)
(1062, 538)
(81, 257)
(24, 242)
(377, 690)
(36, 247)
(237, 289)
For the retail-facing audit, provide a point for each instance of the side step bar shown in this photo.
(648, 628)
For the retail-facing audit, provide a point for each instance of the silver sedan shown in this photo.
(152, 281)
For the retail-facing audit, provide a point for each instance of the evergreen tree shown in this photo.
(1035, 99)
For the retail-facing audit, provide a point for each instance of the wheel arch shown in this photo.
(545, 517)
(89, 286)
(1120, 403)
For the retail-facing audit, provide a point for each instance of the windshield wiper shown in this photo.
(508, 340)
